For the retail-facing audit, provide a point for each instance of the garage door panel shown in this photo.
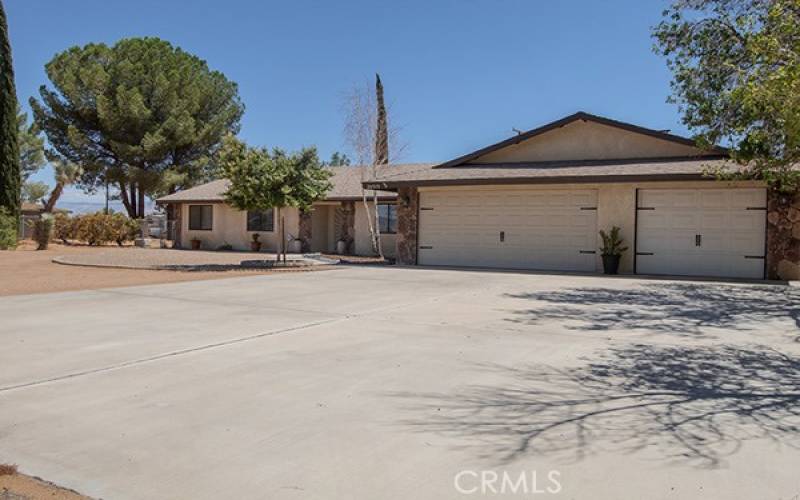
(542, 229)
(703, 232)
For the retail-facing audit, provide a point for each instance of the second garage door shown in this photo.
(509, 228)
(701, 232)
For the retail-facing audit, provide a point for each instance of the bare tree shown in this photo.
(372, 142)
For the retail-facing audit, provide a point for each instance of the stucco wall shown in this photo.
(616, 206)
(363, 245)
(230, 226)
(581, 140)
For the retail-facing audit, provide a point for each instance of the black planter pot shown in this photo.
(611, 264)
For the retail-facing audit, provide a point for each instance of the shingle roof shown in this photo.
(346, 186)
(547, 172)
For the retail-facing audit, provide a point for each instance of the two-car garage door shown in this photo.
(509, 228)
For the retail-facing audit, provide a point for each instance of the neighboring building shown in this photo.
(538, 199)
(203, 214)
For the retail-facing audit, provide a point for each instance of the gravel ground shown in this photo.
(26, 271)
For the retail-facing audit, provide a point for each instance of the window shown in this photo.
(201, 217)
(387, 219)
(260, 220)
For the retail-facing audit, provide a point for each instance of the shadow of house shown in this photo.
(682, 308)
(690, 404)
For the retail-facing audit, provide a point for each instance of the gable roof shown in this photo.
(346, 183)
(581, 115)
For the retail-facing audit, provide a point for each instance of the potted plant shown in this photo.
(195, 244)
(611, 250)
(255, 245)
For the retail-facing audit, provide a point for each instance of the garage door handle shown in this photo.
(425, 247)
(587, 251)
(698, 240)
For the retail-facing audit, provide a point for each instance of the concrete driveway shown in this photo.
(379, 383)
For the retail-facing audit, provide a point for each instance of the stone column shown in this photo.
(407, 213)
(783, 236)
(304, 231)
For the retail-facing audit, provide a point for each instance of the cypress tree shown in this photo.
(382, 129)
(9, 148)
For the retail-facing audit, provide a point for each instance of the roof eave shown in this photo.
(576, 179)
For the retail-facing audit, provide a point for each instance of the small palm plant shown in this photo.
(612, 242)
(612, 250)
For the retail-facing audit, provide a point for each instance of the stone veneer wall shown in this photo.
(304, 231)
(345, 224)
(783, 236)
(407, 213)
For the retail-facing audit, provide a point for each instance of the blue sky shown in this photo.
(459, 74)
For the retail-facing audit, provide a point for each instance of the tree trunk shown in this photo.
(378, 241)
(54, 196)
(123, 192)
(141, 202)
(134, 204)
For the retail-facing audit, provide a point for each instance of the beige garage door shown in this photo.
(509, 228)
(701, 232)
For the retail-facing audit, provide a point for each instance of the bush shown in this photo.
(122, 228)
(96, 229)
(8, 230)
(43, 230)
(64, 228)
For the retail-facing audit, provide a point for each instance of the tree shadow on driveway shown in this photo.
(678, 308)
(689, 404)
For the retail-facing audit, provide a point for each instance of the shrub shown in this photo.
(8, 469)
(122, 228)
(225, 247)
(8, 230)
(43, 230)
(96, 229)
(64, 227)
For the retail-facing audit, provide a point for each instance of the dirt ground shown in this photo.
(26, 271)
(22, 487)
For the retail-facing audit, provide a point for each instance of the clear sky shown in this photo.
(459, 74)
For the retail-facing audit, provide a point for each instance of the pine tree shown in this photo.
(141, 115)
(9, 148)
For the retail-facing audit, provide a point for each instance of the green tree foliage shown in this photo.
(736, 78)
(34, 191)
(136, 114)
(338, 160)
(31, 146)
(65, 173)
(8, 229)
(10, 178)
(261, 179)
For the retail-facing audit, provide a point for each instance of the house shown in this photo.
(201, 213)
(538, 199)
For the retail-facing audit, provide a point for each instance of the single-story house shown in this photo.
(537, 201)
(201, 213)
